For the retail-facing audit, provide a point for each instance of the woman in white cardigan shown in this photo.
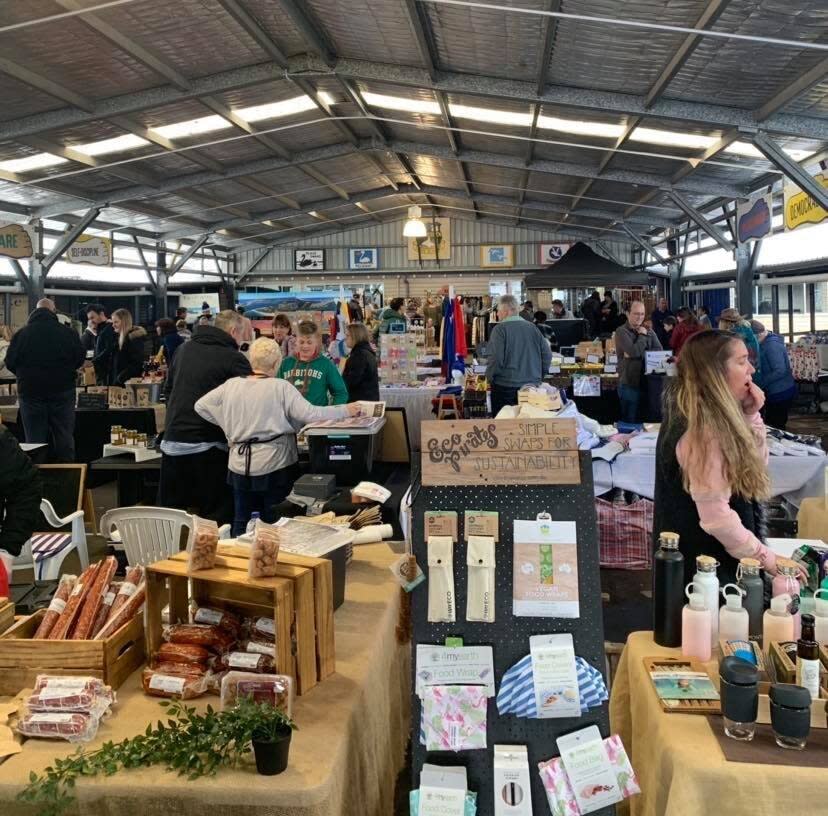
(260, 416)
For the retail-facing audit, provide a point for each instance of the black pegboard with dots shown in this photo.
(509, 635)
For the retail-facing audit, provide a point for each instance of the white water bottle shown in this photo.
(708, 583)
(695, 624)
(251, 525)
(734, 621)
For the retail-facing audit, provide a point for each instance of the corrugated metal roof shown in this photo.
(82, 80)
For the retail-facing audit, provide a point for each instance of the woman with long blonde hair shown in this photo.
(128, 359)
(712, 459)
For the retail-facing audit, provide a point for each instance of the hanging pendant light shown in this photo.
(414, 227)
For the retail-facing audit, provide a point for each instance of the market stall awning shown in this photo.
(581, 267)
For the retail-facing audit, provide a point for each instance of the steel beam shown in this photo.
(607, 102)
(263, 189)
(144, 263)
(138, 52)
(301, 17)
(22, 278)
(795, 172)
(550, 27)
(744, 282)
(45, 85)
(254, 263)
(785, 95)
(424, 42)
(68, 239)
(708, 18)
(694, 215)
(645, 245)
(194, 247)
(162, 279)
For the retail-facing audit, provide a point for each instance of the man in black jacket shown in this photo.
(105, 346)
(46, 357)
(20, 494)
(194, 462)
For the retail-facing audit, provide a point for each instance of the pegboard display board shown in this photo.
(509, 635)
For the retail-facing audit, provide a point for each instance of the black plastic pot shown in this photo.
(272, 755)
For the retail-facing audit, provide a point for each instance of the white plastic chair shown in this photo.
(49, 568)
(147, 534)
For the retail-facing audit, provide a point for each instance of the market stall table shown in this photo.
(417, 404)
(344, 759)
(680, 766)
(137, 481)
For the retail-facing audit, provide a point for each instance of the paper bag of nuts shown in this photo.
(202, 545)
(264, 551)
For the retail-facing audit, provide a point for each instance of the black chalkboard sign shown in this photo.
(98, 402)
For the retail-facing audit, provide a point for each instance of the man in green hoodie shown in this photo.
(390, 317)
(314, 375)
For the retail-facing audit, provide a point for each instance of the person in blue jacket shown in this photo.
(777, 378)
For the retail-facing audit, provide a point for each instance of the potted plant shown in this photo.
(270, 729)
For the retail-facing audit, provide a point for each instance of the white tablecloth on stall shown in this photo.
(417, 404)
(794, 477)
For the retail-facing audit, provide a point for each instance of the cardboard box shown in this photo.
(112, 659)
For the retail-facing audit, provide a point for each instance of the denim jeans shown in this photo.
(629, 398)
(51, 420)
(260, 494)
(502, 396)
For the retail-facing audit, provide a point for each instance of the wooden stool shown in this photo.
(449, 407)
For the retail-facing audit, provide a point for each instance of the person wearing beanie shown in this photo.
(777, 378)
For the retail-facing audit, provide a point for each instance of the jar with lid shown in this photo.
(115, 433)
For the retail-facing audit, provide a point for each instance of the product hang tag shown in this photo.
(407, 572)
(454, 666)
(481, 523)
(589, 769)
(440, 523)
(512, 788)
(555, 676)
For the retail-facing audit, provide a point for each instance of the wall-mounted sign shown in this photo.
(754, 218)
(363, 258)
(497, 256)
(552, 253)
(800, 208)
(16, 241)
(309, 260)
(90, 249)
(437, 243)
(496, 452)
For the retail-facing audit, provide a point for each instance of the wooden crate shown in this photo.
(288, 600)
(112, 659)
(322, 599)
(6, 614)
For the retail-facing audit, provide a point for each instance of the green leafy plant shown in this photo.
(189, 743)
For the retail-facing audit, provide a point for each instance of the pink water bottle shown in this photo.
(785, 582)
(696, 625)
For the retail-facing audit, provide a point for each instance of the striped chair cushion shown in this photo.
(48, 545)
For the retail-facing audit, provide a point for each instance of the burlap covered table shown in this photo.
(680, 765)
(343, 760)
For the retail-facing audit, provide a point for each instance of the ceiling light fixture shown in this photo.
(414, 227)
(274, 110)
(192, 127)
(129, 141)
(35, 162)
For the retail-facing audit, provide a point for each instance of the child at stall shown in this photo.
(314, 375)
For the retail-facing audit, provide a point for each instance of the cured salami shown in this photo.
(63, 628)
(246, 661)
(128, 588)
(89, 612)
(59, 725)
(56, 607)
(126, 613)
(210, 637)
(185, 687)
(183, 653)
(105, 607)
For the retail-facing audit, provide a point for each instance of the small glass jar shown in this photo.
(130, 437)
(115, 434)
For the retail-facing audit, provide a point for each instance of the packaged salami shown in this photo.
(202, 545)
(264, 551)
(134, 577)
(56, 607)
(246, 661)
(59, 725)
(183, 653)
(182, 686)
(183, 669)
(262, 629)
(198, 634)
(218, 617)
(83, 695)
(258, 647)
(276, 689)
(106, 607)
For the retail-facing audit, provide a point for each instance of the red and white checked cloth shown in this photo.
(48, 545)
(625, 534)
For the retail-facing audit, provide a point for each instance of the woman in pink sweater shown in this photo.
(711, 457)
